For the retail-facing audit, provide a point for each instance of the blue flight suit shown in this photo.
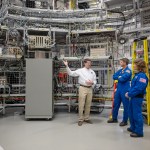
(123, 76)
(136, 94)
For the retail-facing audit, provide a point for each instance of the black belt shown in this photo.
(85, 86)
(139, 96)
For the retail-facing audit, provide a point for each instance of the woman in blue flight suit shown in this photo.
(136, 94)
(123, 76)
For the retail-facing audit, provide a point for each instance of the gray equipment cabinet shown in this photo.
(39, 89)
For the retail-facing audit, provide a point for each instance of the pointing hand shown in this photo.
(65, 62)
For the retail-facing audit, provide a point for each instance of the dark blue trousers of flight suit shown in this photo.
(123, 76)
(136, 94)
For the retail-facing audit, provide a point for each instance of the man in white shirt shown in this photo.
(87, 80)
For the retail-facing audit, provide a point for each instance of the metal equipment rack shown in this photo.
(12, 92)
(4, 94)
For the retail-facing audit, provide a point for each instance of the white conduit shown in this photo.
(67, 20)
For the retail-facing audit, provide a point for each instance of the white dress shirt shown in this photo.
(84, 75)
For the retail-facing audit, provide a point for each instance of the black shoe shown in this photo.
(123, 124)
(80, 123)
(88, 121)
(128, 129)
(112, 121)
(135, 135)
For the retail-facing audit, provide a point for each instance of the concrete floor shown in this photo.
(63, 133)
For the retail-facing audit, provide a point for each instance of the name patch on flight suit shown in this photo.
(128, 71)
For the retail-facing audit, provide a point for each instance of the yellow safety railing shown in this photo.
(146, 59)
(73, 4)
(147, 73)
(133, 55)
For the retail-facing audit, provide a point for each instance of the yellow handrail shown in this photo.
(147, 73)
(146, 59)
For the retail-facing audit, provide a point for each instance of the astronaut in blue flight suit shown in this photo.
(124, 77)
(136, 94)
